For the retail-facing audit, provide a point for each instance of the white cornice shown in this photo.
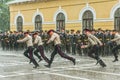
(103, 20)
(49, 23)
(73, 21)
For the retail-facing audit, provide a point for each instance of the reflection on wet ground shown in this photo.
(14, 66)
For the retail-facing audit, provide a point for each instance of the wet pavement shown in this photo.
(14, 66)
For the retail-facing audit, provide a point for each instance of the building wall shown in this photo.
(73, 10)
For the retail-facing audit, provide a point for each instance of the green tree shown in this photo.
(4, 15)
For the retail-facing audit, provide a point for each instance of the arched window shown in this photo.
(117, 19)
(38, 22)
(60, 22)
(87, 20)
(19, 23)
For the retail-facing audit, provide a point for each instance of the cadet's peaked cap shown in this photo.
(87, 30)
(26, 32)
(78, 31)
(50, 31)
(72, 30)
(35, 33)
(67, 30)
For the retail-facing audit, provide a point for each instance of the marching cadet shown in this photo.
(106, 40)
(6, 41)
(100, 36)
(94, 42)
(85, 42)
(11, 40)
(115, 48)
(0, 38)
(45, 38)
(78, 41)
(57, 49)
(3, 41)
(29, 51)
(21, 36)
(112, 35)
(72, 41)
(39, 48)
(16, 37)
(67, 41)
(62, 38)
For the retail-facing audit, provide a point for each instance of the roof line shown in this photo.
(18, 1)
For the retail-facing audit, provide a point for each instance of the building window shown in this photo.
(117, 19)
(87, 20)
(60, 22)
(19, 23)
(38, 22)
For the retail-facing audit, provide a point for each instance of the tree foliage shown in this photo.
(4, 15)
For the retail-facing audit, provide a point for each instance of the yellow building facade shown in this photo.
(64, 14)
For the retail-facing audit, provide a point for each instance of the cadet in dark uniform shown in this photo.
(0, 37)
(11, 40)
(62, 38)
(6, 41)
(85, 42)
(21, 36)
(112, 36)
(100, 36)
(3, 41)
(29, 51)
(78, 41)
(39, 48)
(16, 45)
(72, 41)
(106, 46)
(57, 49)
(94, 42)
(45, 39)
(67, 42)
(115, 48)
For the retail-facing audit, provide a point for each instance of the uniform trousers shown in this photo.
(93, 52)
(115, 51)
(57, 49)
(29, 54)
(41, 50)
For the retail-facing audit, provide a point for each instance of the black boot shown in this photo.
(40, 60)
(39, 57)
(48, 66)
(115, 60)
(74, 61)
(101, 63)
(36, 66)
(35, 63)
(30, 62)
(47, 60)
(97, 62)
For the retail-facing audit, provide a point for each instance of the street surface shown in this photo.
(14, 66)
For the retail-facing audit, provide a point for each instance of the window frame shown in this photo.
(117, 19)
(87, 20)
(19, 23)
(60, 20)
(38, 22)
